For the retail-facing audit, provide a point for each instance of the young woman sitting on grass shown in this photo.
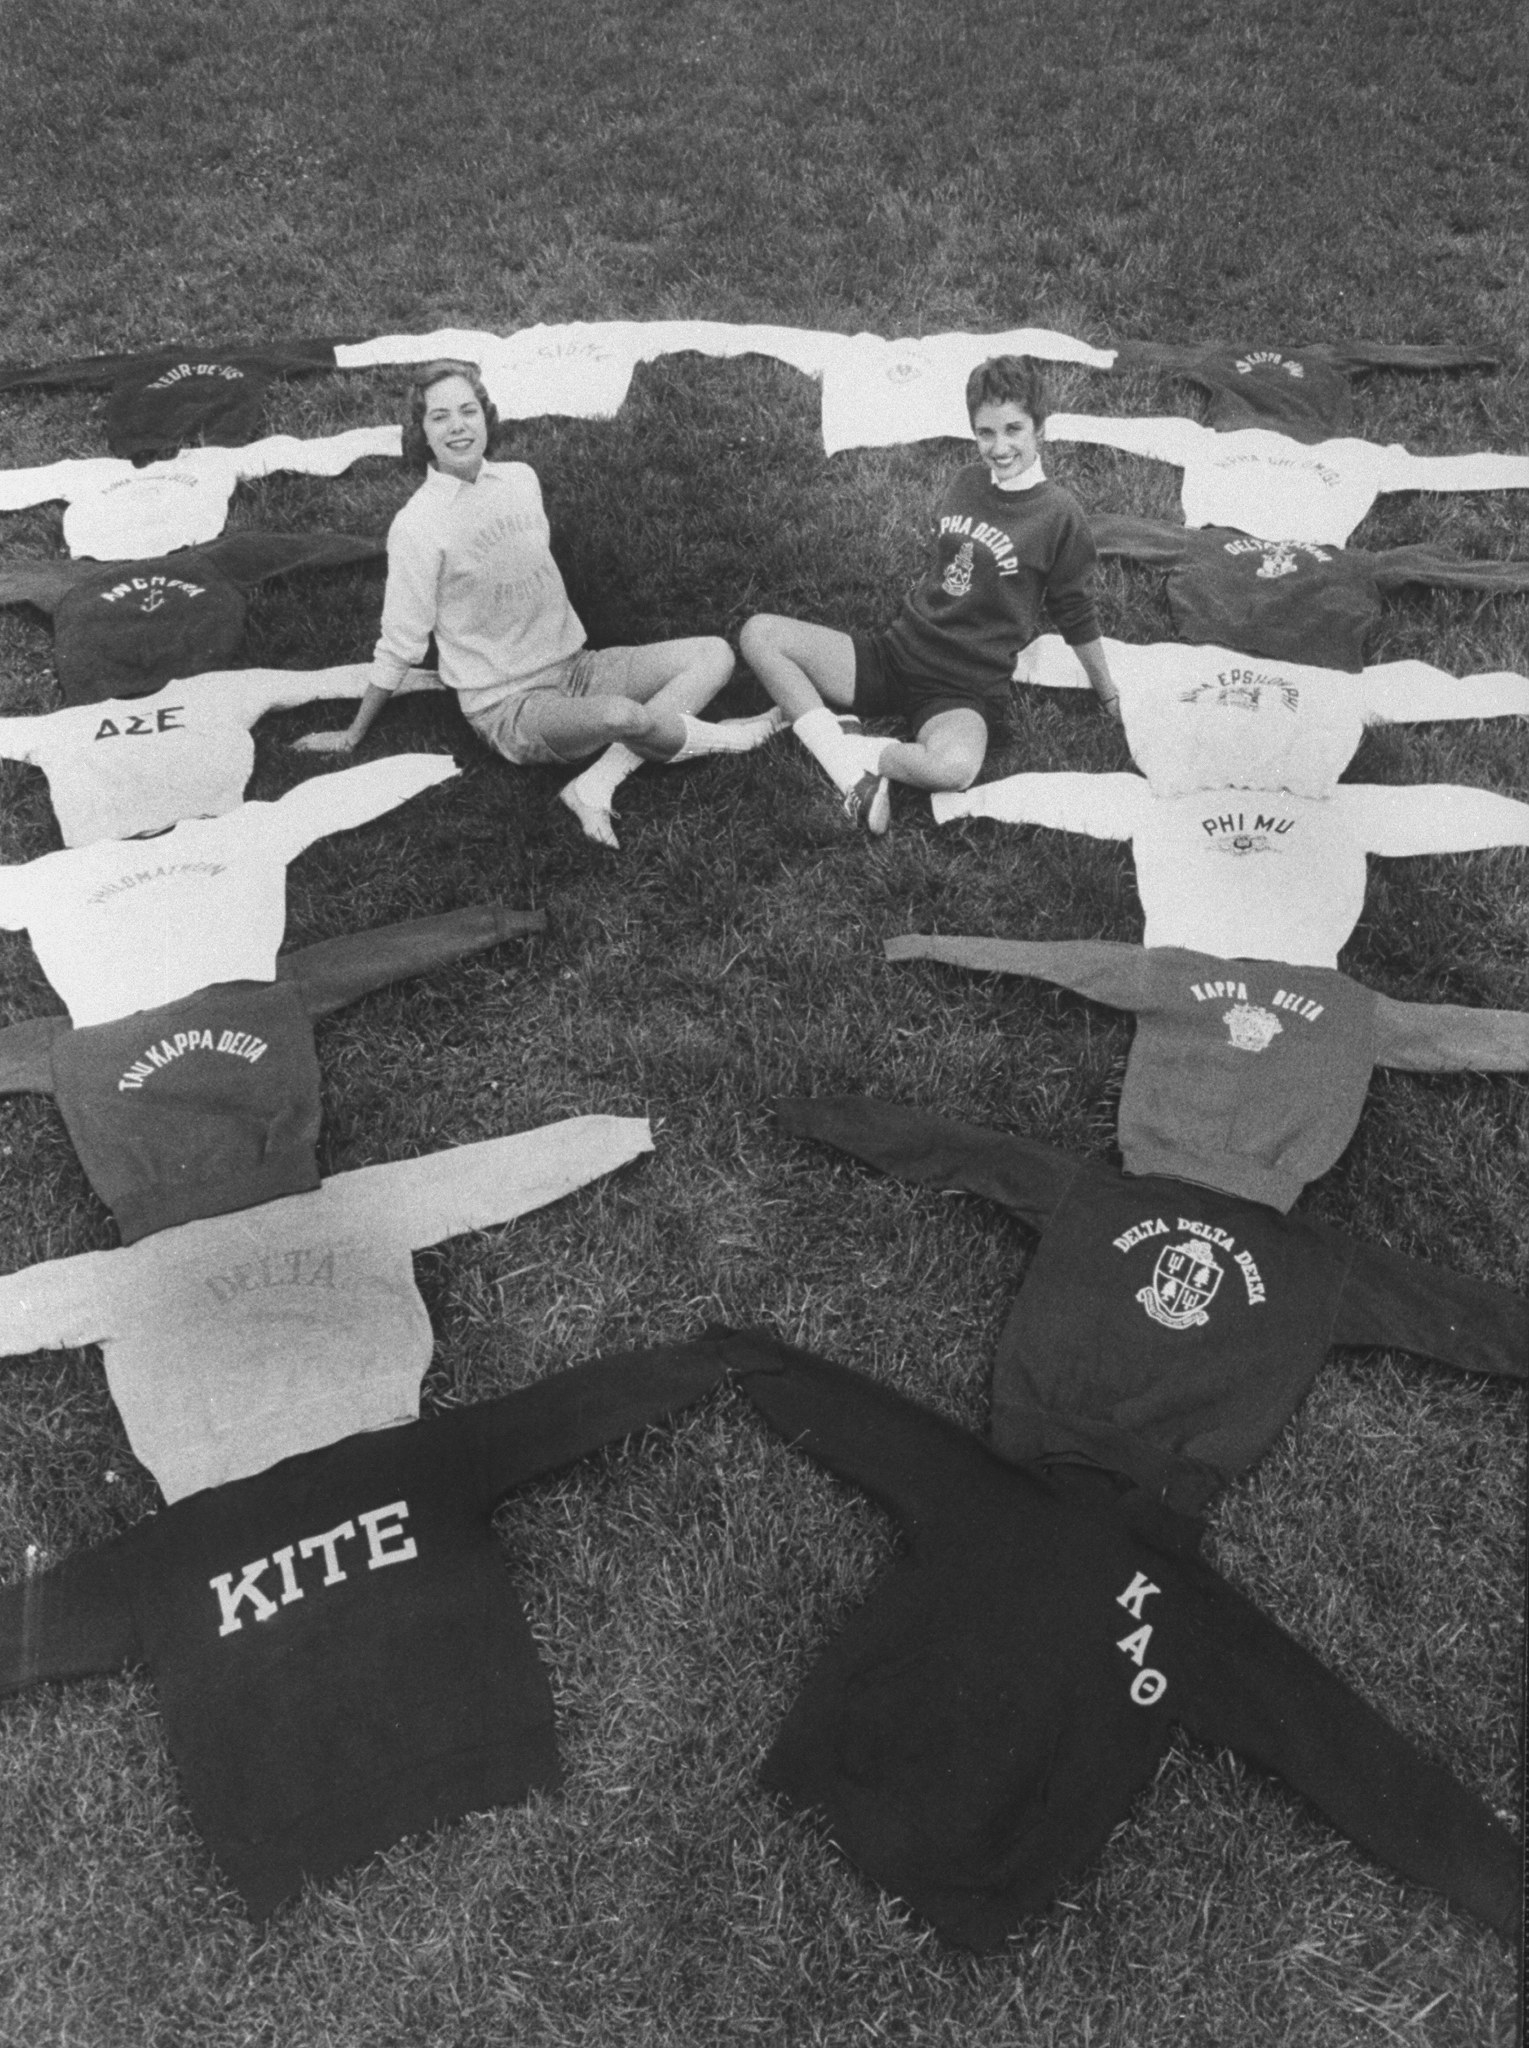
(469, 561)
(1007, 544)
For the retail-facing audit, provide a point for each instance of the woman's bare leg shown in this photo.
(645, 709)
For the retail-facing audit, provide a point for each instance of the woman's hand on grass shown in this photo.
(324, 743)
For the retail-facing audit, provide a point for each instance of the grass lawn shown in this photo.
(1281, 172)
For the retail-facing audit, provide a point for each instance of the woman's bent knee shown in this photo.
(760, 634)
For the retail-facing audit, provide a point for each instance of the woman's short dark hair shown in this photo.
(1009, 380)
(416, 449)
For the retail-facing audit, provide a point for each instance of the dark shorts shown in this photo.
(885, 687)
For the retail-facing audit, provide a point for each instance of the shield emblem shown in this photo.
(1184, 1283)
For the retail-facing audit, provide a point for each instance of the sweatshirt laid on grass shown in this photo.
(1002, 563)
(337, 1647)
(1304, 392)
(1244, 1075)
(132, 628)
(582, 369)
(212, 1103)
(877, 393)
(118, 513)
(244, 1338)
(1290, 600)
(131, 924)
(979, 1727)
(142, 368)
(1209, 718)
(1245, 874)
(472, 564)
(1164, 1331)
(117, 767)
(1265, 483)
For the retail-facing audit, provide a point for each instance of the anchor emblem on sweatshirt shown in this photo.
(1184, 1283)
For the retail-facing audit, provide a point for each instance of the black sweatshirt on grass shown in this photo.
(125, 629)
(1303, 392)
(1290, 600)
(339, 1653)
(166, 399)
(1166, 1331)
(983, 1722)
(211, 1104)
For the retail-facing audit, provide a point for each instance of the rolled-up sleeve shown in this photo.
(409, 601)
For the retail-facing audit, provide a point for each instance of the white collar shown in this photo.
(437, 479)
(1025, 481)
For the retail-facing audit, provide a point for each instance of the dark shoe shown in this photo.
(869, 804)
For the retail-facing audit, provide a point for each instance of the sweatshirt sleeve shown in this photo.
(904, 1456)
(26, 1066)
(1398, 692)
(339, 802)
(339, 971)
(326, 455)
(45, 583)
(470, 1187)
(60, 1303)
(22, 739)
(1481, 471)
(1027, 1178)
(1473, 1325)
(1103, 806)
(410, 596)
(569, 1414)
(74, 1621)
(1433, 817)
(250, 558)
(1393, 355)
(1435, 1038)
(20, 488)
(1397, 567)
(1246, 1685)
(1141, 540)
(1104, 969)
(461, 344)
(1070, 581)
(252, 692)
(1163, 439)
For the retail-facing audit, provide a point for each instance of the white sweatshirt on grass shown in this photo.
(1250, 874)
(1202, 717)
(118, 513)
(237, 1340)
(125, 765)
(1267, 484)
(128, 924)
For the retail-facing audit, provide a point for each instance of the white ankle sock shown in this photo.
(726, 735)
(599, 782)
(844, 757)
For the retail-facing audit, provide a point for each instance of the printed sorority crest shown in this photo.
(1245, 842)
(1184, 1283)
(1250, 1027)
(957, 580)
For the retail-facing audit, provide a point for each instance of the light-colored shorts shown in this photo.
(510, 726)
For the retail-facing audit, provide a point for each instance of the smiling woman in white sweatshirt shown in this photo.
(469, 560)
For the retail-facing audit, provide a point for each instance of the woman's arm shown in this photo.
(1091, 654)
(345, 742)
